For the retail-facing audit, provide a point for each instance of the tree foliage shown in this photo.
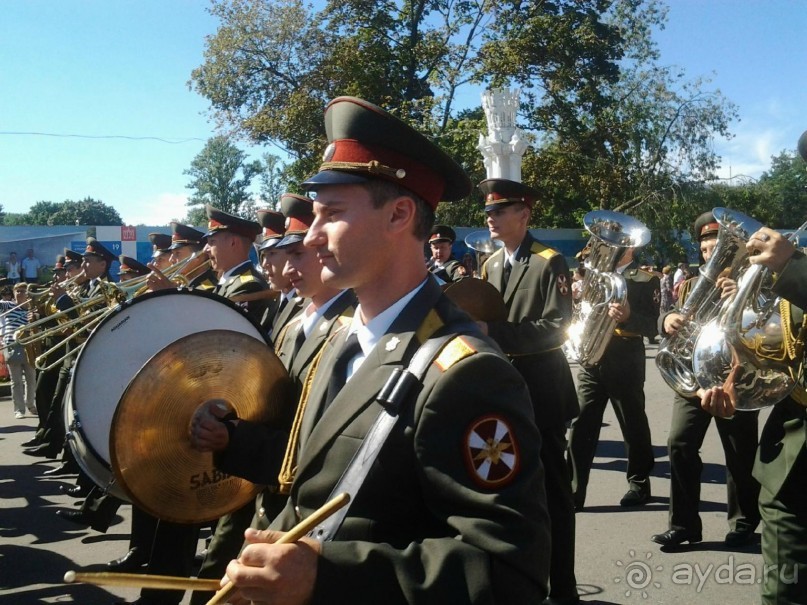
(612, 126)
(87, 211)
(221, 176)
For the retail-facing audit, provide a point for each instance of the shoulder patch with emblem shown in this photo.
(491, 453)
(563, 284)
(543, 251)
(456, 350)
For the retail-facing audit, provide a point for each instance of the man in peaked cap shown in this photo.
(688, 427)
(229, 240)
(442, 263)
(297, 343)
(272, 263)
(160, 246)
(481, 530)
(185, 242)
(619, 377)
(131, 268)
(534, 282)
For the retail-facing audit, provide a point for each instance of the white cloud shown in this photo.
(155, 211)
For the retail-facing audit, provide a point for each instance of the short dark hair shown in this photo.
(383, 191)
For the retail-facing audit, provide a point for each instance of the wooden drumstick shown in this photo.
(135, 580)
(294, 534)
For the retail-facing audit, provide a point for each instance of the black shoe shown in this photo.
(76, 516)
(739, 537)
(42, 451)
(635, 498)
(676, 537)
(131, 561)
(32, 442)
(76, 491)
(65, 468)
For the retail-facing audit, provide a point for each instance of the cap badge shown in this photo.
(330, 150)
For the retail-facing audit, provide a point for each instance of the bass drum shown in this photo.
(117, 349)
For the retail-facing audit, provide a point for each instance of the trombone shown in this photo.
(112, 295)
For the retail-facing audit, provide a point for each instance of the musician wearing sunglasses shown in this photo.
(534, 283)
(688, 428)
(781, 459)
(451, 508)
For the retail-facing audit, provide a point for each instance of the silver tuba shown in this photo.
(674, 357)
(612, 233)
(743, 349)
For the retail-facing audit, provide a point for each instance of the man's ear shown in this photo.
(402, 213)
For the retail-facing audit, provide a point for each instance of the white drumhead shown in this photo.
(126, 339)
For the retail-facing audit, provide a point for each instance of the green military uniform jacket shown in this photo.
(451, 271)
(207, 281)
(245, 280)
(644, 298)
(784, 437)
(427, 526)
(283, 314)
(539, 310)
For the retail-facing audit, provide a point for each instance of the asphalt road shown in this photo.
(616, 561)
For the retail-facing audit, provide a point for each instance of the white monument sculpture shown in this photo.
(505, 144)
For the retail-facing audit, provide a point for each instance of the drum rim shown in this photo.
(122, 307)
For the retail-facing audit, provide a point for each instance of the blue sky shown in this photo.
(120, 67)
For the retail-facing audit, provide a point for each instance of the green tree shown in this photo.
(272, 180)
(221, 176)
(88, 211)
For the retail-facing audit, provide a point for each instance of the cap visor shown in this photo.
(290, 239)
(269, 244)
(333, 177)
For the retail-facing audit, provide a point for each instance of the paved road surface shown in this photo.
(616, 561)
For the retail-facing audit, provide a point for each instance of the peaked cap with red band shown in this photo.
(218, 220)
(161, 242)
(129, 265)
(366, 142)
(274, 226)
(501, 192)
(706, 226)
(96, 248)
(72, 257)
(299, 213)
(442, 233)
(183, 235)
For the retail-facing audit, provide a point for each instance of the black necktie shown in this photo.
(350, 350)
(506, 274)
(299, 339)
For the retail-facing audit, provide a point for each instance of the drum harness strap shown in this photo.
(391, 397)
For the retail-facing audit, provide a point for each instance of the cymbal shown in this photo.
(149, 446)
(478, 298)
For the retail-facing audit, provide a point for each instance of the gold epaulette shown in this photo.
(640, 275)
(455, 351)
(543, 251)
(247, 277)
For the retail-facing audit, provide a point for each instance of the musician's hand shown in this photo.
(274, 573)
(619, 312)
(207, 432)
(157, 281)
(726, 286)
(673, 323)
(770, 248)
(717, 402)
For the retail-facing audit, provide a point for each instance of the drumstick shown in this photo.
(294, 534)
(136, 580)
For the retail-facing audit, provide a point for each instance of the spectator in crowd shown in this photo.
(23, 374)
(13, 269)
(31, 267)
